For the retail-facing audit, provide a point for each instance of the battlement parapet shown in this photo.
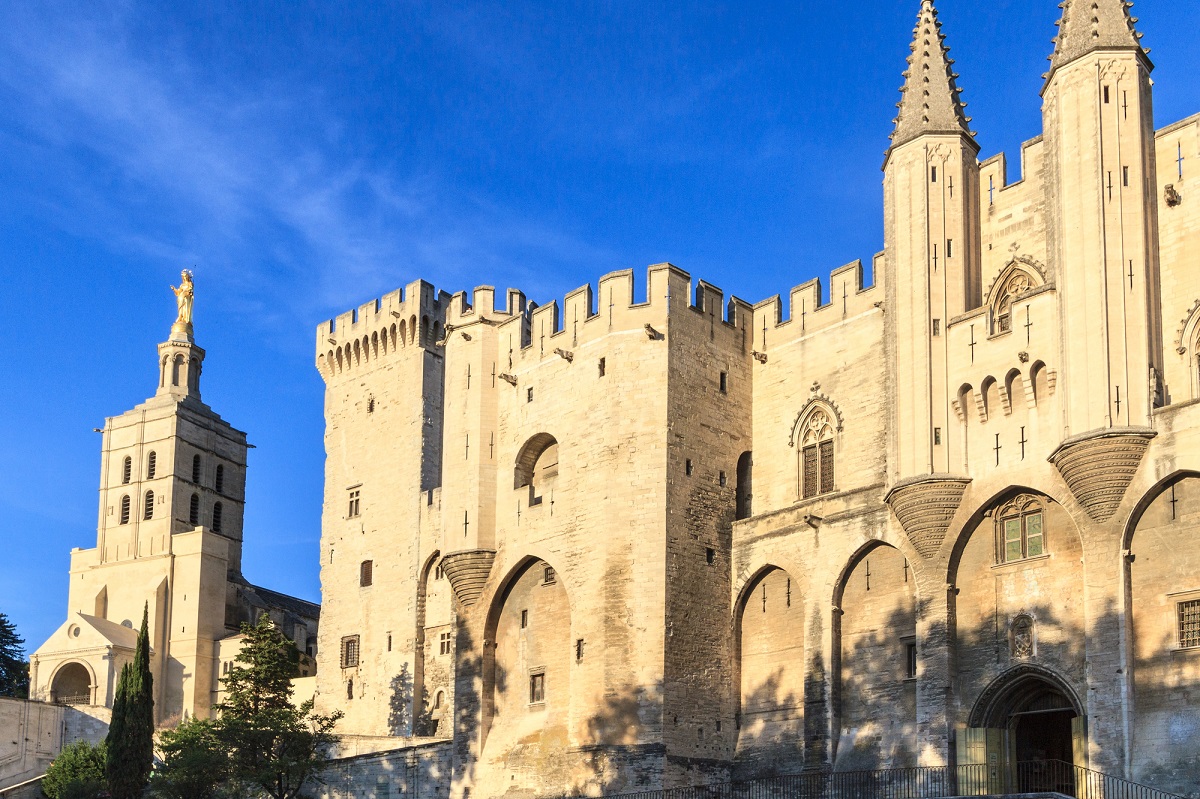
(413, 316)
(810, 309)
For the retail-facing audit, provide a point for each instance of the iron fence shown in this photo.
(931, 782)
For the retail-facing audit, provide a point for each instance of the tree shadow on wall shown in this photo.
(402, 720)
(768, 737)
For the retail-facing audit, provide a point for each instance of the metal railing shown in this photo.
(927, 782)
(74, 699)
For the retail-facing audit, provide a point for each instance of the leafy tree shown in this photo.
(77, 772)
(194, 762)
(275, 747)
(14, 668)
(131, 733)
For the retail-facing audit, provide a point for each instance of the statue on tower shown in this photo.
(183, 300)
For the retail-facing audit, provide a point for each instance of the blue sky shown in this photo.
(304, 158)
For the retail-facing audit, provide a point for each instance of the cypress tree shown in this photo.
(130, 739)
(14, 668)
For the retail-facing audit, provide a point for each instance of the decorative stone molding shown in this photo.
(1099, 466)
(925, 506)
(816, 401)
(467, 572)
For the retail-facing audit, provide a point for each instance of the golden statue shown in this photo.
(183, 298)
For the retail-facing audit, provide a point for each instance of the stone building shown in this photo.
(654, 535)
(169, 539)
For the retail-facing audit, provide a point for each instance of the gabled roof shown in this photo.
(81, 631)
(930, 101)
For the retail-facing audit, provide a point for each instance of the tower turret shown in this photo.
(1098, 117)
(931, 204)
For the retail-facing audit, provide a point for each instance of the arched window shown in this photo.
(149, 509)
(1020, 529)
(196, 469)
(127, 471)
(194, 511)
(816, 454)
(537, 467)
(151, 465)
(1016, 284)
(220, 484)
(216, 525)
(125, 509)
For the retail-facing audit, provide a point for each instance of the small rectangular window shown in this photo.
(537, 688)
(524, 619)
(1189, 623)
(910, 659)
(444, 644)
(1106, 95)
(724, 382)
(937, 436)
(937, 327)
(438, 572)
(366, 573)
(1125, 175)
(389, 644)
(529, 394)
(353, 506)
(933, 175)
(710, 555)
(548, 576)
(949, 248)
(722, 479)
(687, 467)
(601, 367)
(578, 650)
(350, 652)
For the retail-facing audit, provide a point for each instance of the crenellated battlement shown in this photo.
(413, 316)
(810, 308)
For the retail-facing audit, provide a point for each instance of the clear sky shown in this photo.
(307, 157)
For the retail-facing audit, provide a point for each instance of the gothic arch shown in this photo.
(1024, 264)
(495, 666)
(1013, 688)
(419, 697)
(819, 402)
(1015, 281)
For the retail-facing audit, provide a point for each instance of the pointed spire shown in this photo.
(1088, 25)
(930, 102)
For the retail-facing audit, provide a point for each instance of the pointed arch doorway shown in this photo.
(1024, 725)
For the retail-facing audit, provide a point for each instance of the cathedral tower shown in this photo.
(931, 208)
(1098, 119)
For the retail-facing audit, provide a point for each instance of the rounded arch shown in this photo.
(375, 345)
(72, 683)
(1017, 688)
(990, 392)
(966, 402)
(1014, 388)
(527, 458)
(1039, 379)
(412, 329)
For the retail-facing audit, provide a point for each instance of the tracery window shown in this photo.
(1017, 284)
(1020, 530)
(816, 455)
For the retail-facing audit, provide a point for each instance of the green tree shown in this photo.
(131, 733)
(77, 772)
(194, 762)
(275, 747)
(14, 668)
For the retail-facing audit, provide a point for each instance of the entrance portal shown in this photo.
(1027, 729)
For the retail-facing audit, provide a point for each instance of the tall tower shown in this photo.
(1098, 120)
(931, 219)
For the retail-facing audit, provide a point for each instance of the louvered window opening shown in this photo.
(194, 511)
(220, 483)
(216, 525)
(125, 509)
(151, 466)
(127, 471)
(149, 510)
(196, 469)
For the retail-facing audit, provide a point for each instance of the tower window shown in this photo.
(127, 471)
(216, 525)
(548, 576)
(1106, 95)
(353, 506)
(537, 688)
(937, 327)
(949, 248)
(1125, 175)
(366, 573)
(1020, 531)
(601, 367)
(350, 689)
(524, 619)
(196, 469)
(444, 644)
(937, 436)
(933, 175)
(724, 382)
(220, 483)
(910, 658)
(438, 572)
(687, 467)
(151, 465)
(194, 510)
(350, 652)
(529, 394)
(578, 650)
(125, 509)
(149, 509)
